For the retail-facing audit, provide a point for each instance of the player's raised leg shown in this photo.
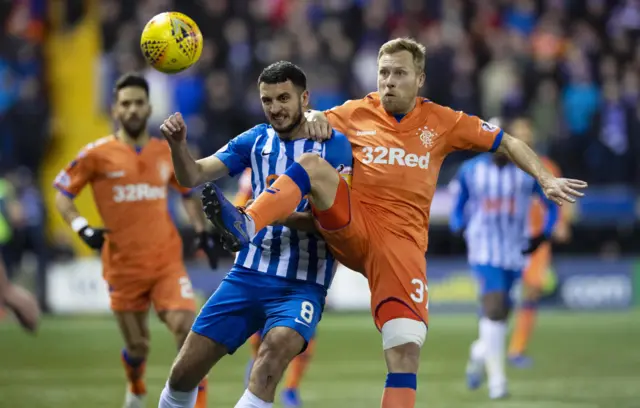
(489, 351)
(310, 176)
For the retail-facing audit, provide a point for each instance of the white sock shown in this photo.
(177, 399)
(493, 335)
(477, 350)
(249, 400)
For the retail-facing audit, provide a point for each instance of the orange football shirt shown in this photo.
(396, 163)
(130, 190)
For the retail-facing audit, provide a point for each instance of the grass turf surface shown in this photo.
(582, 360)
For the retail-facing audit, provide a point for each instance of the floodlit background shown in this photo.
(571, 66)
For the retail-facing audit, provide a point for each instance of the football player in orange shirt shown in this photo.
(129, 173)
(379, 225)
(534, 275)
(290, 396)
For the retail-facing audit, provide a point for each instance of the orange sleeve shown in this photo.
(340, 116)
(72, 179)
(245, 191)
(185, 191)
(467, 132)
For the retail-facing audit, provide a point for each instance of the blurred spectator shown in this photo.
(546, 59)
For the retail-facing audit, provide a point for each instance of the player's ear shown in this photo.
(304, 99)
(421, 78)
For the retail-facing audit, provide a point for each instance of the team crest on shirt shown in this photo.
(164, 169)
(426, 136)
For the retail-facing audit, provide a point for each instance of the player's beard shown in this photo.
(295, 121)
(134, 128)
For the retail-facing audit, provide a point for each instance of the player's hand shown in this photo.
(174, 129)
(561, 190)
(317, 126)
(93, 237)
(534, 243)
(24, 305)
(208, 242)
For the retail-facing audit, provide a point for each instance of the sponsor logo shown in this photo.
(365, 133)
(138, 192)
(489, 127)
(394, 156)
(597, 292)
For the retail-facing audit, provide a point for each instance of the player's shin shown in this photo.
(525, 322)
(493, 334)
(298, 367)
(134, 368)
(402, 339)
(281, 199)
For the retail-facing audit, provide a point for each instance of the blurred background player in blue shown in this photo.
(492, 204)
(279, 282)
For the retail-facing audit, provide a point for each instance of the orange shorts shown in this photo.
(167, 289)
(536, 269)
(395, 266)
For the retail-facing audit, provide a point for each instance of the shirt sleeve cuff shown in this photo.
(497, 141)
(64, 192)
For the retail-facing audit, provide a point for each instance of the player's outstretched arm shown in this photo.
(558, 190)
(189, 172)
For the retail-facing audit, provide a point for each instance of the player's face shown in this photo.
(398, 81)
(132, 110)
(283, 104)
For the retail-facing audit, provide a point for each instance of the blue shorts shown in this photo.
(492, 279)
(247, 301)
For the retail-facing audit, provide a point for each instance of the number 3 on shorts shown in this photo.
(306, 312)
(422, 292)
(186, 290)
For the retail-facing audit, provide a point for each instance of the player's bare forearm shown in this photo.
(301, 221)
(193, 208)
(67, 208)
(525, 158)
(188, 173)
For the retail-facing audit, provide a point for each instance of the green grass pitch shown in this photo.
(582, 360)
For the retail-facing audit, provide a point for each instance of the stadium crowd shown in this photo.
(571, 66)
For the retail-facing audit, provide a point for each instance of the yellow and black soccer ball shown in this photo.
(171, 42)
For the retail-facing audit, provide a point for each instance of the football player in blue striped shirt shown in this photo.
(279, 282)
(493, 198)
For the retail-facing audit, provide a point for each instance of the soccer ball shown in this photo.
(171, 42)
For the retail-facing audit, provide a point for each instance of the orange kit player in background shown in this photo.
(129, 173)
(297, 367)
(534, 275)
(379, 225)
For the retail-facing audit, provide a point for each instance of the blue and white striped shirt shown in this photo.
(492, 205)
(278, 250)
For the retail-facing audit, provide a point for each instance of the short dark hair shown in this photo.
(129, 80)
(283, 71)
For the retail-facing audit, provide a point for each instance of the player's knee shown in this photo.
(496, 312)
(401, 331)
(316, 167)
(180, 378)
(277, 350)
(138, 347)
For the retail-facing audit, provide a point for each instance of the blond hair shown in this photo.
(417, 50)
